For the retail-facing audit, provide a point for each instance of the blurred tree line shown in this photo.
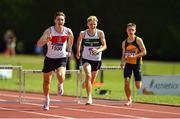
(158, 22)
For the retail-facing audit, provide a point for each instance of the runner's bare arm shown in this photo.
(44, 38)
(123, 55)
(79, 41)
(103, 42)
(70, 41)
(142, 48)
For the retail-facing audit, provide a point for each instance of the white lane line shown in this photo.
(145, 110)
(28, 97)
(128, 108)
(114, 114)
(98, 112)
(2, 100)
(36, 113)
(104, 113)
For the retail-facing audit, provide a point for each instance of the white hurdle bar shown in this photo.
(119, 68)
(110, 68)
(19, 68)
(29, 71)
(101, 69)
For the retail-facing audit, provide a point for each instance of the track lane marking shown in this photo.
(80, 110)
(98, 112)
(36, 113)
(145, 110)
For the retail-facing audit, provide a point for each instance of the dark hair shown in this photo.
(59, 14)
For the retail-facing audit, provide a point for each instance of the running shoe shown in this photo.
(46, 106)
(89, 102)
(128, 103)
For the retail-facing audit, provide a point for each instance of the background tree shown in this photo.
(157, 22)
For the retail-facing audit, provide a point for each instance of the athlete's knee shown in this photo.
(138, 85)
(87, 67)
(127, 83)
(88, 76)
(60, 76)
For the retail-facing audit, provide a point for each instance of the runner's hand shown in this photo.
(78, 54)
(49, 38)
(69, 54)
(122, 66)
(95, 51)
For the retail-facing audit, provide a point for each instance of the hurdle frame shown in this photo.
(19, 68)
(101, 69)
(29, 71)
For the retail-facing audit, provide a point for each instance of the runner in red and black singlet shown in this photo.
(59, 40)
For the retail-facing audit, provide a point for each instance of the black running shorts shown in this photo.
(135, 68)
(50, 64)
(95, 65)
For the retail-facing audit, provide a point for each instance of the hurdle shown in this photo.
(19, 68)
(29, 71)
(103, 68)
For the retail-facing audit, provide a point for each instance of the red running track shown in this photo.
(68, 107)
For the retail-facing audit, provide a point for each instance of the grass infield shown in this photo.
(113, 80)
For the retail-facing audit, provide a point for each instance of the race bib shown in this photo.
(57, 46)
(91, 52)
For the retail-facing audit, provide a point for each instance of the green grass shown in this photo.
(113, 79)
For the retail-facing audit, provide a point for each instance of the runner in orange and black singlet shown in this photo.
(132, 51)
(133, 64)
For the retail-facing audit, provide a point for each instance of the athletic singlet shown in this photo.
(132, 49)
(90, 42)
(57, 46)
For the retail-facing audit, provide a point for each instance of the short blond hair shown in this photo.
(131, 25)
(92, 18)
